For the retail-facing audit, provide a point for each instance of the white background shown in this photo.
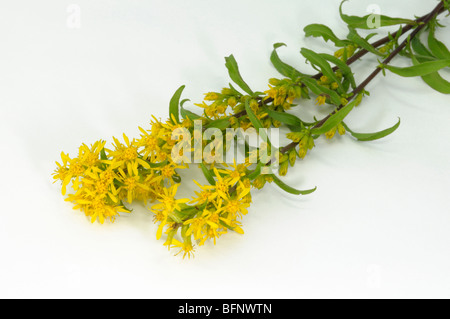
(378, 225)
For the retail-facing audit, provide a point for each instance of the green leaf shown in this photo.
(103, 155)
(256, 122)
(363, 43)
(420, 69)
(345, 69)
(290, 189)
(221, 222)
(437, 82)
(434, 80)
(221, 124)
(361, 22)
(372, 136)
(283, 68)
(188, 114)
(157, 165)
(334, 119)
(233, 71)
(438, 48)
(323, 64)
(174, 103)
(256, 172)
(293, 128)
(320, 30)
(284, 117)
(319, 89)
(207, 173)
(251, 115)
(235, 92)
(420, 48)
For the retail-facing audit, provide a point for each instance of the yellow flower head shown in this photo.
(321, 100)
(186, 248)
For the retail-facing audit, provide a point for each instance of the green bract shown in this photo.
(174, 105)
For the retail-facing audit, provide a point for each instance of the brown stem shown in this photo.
(426, 19)
(394, 53)
(377, 44)
(353, 58)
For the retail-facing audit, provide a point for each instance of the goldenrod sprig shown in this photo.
(103, 181)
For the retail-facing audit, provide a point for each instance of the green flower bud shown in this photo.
(310, 143)
(227, 91)
(274, 81)
(259, 182)
(292, 157)
(341, 129)
(283, 168)
(232, 101)
(298, 91)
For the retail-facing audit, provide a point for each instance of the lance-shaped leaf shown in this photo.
(256, 122)
(207, 173)
(290, 189)
(363, 22)
(437, 82)
(323, 64)
(157, 165)
(283, 117)
(174, 104)
(233, 71)
(420, 69)
(434, 80)
(221, 124)
(421, 49)
(283, 68)
(345, 69)
(334, 119)
(320, 30)
(319, 89)
(256, 172)
(361, 42)
(438, 48)
(188, 114)
(372, 136)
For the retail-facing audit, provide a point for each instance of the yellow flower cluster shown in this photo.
(339, 128)
(304, 139)
(104, 180)
(221, 102)
(214, 210)
(346, 52)
(283, 92)
(329, 84)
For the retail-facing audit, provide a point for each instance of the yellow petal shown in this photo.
(160, 229)
(101, 218)
(125, 138)
(143, 163)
